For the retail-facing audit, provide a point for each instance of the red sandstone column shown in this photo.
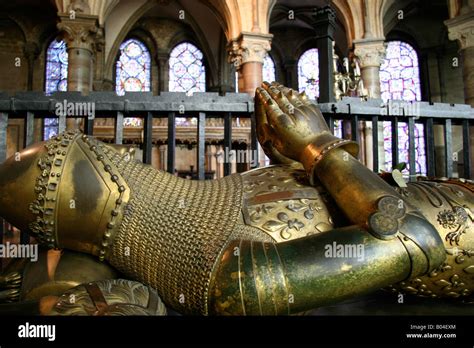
(247, 53)
(80, 32)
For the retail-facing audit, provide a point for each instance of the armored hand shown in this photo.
(290, 125)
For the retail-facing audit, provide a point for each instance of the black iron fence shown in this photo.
(29, 106)
(354, 110)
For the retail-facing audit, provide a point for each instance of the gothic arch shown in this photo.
(390, 11)
(117, 18)
(229, 14)
(126, 20)
(351, 16)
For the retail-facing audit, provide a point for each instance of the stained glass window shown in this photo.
(55, 80)
(187, 71)
(308, 73)
(268, 71)
(236, 82)
(400, 73)
(133, 73)
(338, 128)
(403, 150)
(56, 67)
(50, 128)
(400, 80)
(133, 68)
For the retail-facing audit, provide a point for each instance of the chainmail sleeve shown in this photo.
(173, 231)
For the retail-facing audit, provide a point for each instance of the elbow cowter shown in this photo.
(395, 219)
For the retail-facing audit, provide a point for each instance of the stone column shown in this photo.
(247, 53)
(99, 83)
(324, 23)
(163, 72)
(461, 28)
(162, 149)
(31, 51)
(371, 53)
(80, 34)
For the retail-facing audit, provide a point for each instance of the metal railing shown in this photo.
(353, 110)
(31, 105)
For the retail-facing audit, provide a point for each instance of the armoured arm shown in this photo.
(366, 199)
(257, 278)
(390, 241)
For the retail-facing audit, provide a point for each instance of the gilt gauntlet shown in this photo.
(292, 126)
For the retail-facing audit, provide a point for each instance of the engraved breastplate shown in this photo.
(279, 201)
(449, 206)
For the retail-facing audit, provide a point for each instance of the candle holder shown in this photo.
(347, 78)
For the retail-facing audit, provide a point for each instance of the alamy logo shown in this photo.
(37, 331)
(238, 156)
(346, 251)
(75, 109)
(401, 108)
(10, 250)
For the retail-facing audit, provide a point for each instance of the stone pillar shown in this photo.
(324, 23)
(163, 72)
(461, 28)
(162, 149)
(371, 53)
(247, 54)
(31, 51)
(80, 34)
(290, 70)
(99, 83)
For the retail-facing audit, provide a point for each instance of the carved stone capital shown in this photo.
(370, 52)
(249, 47)
(461, 28)
(80, 31)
